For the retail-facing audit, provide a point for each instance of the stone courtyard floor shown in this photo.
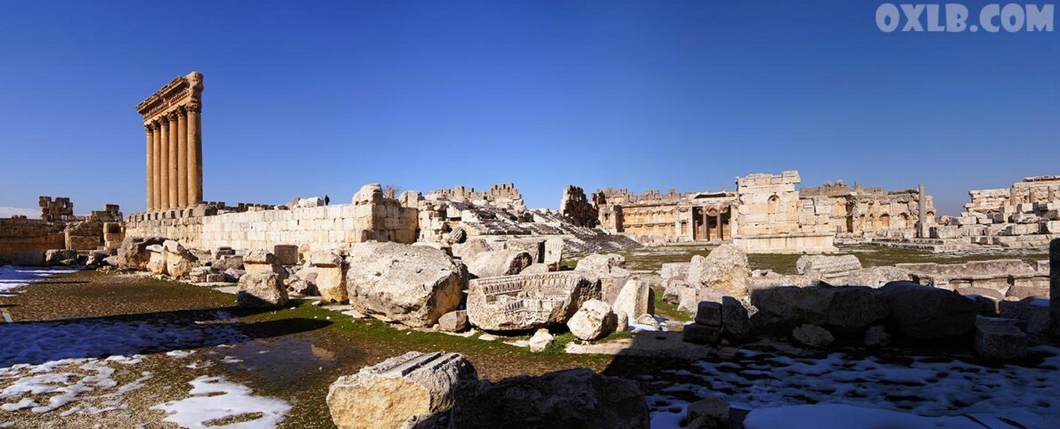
(113, 350)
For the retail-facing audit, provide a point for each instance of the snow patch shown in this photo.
(213, 398)
(12, 278)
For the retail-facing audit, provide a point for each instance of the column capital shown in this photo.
(172, 115)
(193, 107)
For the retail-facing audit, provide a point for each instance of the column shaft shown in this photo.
(150, 167)
(721, 231)
(164, 190)
(182, 160)
(194, 154)
(173, 158)
(156, 185)
(706, 224)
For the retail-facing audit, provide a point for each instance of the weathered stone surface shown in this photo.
(400, 391)
(540, 341)
(414, 285)
(845, 310)
(259, 290)
(812, 336)
(926, 313)
(609, 269)
(224, 262)
(873, 277)
(576, 207)
(524, 302)
(453, 321)
(725, 270)
(999, 339)
(260, 261)
(471, 247)
(57, 256)
(877, 336)
(96, 258)
(330, 278)
(701, 334)
(156, 264)
(537, 269)
(736, 318)
(133, 253)
(286, 254)
(179, 261)
(553, 252)
(634, 300)
(593, 321)
(498, 263)
(576, 398)
(709, 313)
(828, 267)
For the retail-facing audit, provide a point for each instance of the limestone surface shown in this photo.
(413, 285)
(593, 321)
(261, 290)
(927, 313)
(725, 270)
(528, 301)
(497, 263)
(400, 391)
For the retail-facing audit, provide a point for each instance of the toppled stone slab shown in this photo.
(286, 254)
(999, 339)
(844, 310)
(261, 290)
(540, 341)
(413, 285)
(696, 333)
(524, 302)
(828, 267)
(133, 253)
(496, 263)
(260, 261)
(609, 268)
(401, 392)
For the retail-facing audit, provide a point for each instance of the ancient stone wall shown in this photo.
(370, 217)
(30, 235)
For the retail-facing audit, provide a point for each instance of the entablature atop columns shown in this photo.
(183, 91)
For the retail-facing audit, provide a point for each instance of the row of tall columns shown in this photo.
(706, 223)
(174, 159)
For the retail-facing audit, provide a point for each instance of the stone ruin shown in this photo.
(25, 240)
(1026, 215)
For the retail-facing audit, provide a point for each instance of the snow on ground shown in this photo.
(73, 366)
(86, 383)
(919, 386)
(12, 278)
(214, 399)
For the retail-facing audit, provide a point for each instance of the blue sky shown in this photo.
(312, 98)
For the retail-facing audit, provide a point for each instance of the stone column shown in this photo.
(182, 159)
(173, 159)
(721, 231)
(164, 189)
(1054, 285)
(922, 224)
(194, 153)
(706, 224)
(156, 182)
(150, 167)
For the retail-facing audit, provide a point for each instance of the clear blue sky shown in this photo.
(312, 98)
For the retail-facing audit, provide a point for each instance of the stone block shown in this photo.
(701, 334)
(709, 313)
(402, 391)
(999, 339)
